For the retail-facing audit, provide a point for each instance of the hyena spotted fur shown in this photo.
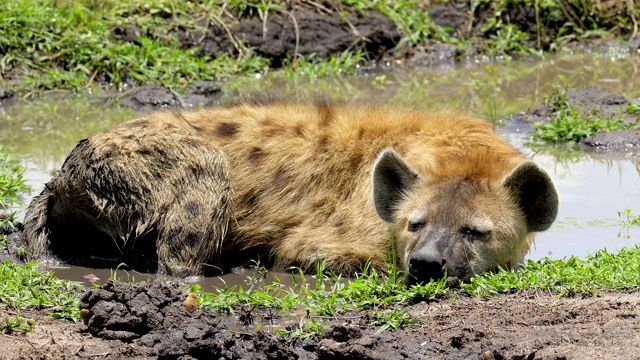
(299, 183)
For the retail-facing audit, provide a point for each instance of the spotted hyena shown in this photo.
(298, 183)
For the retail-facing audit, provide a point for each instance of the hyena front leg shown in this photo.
(194, 224)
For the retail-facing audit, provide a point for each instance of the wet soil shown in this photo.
(156, 321)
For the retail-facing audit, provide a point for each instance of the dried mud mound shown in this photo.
(162, 322)
(153, 316)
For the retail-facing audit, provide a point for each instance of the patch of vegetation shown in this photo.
(633, 109)
(313, 67)
(329, 295)
(71, 44)
(628, 218)
(510, 40)
(22, 286)
(16, 323)
(12, 185)
(600, 271)
(571, 124)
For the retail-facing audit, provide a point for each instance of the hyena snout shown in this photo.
(426, 264)
(424, 268)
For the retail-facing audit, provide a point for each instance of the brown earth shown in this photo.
(152, 322)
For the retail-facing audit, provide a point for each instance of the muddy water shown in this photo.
(593, 190)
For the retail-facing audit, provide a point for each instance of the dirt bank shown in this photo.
(147, 322)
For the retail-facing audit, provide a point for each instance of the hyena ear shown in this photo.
(536, 195)
(392, 177)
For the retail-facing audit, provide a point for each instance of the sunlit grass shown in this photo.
(600, 271)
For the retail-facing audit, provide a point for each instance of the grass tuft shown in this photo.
(329, 295)
(22, 286)
(16, 323)
(572, 124)
(600, 271)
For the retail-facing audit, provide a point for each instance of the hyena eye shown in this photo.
(415, 226)
(476, 233)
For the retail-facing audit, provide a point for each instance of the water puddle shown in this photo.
(592, 190)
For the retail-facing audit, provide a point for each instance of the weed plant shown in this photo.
(16, 323)
(570, 124)
(628, 218)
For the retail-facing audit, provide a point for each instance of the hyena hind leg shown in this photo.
(191, 230)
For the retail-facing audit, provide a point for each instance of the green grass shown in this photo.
(312, 67)
(60, 44)
(600, 271)
(22, 286)
(12, 185)
(571, 124)
(328, 296)
(16, 323)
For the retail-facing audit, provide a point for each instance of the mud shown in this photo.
(151, 322)
(303, 30)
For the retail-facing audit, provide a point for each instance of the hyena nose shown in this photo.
(426, 268)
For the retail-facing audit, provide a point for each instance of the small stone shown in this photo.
(488, 355)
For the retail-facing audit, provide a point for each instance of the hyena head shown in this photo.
(461, 225)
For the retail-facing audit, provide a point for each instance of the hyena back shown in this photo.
(301, 183)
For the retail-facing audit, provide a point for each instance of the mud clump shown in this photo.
(157, 321)
(153, 316)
